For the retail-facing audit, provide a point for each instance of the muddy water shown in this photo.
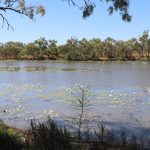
(36, 89)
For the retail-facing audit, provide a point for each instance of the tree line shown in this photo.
(79, 50)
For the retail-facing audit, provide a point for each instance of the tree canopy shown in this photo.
(86, 6)
(79, 50)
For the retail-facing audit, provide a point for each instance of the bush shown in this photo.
(48, 136)
(9, 139)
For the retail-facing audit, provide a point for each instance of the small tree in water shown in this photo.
(80, 102)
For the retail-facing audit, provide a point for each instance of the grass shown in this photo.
(48, 135)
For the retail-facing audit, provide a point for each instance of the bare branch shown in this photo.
(5, 21)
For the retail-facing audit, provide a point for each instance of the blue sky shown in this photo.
(62, 22)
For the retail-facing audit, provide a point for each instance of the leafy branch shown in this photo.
(88, 6)
(20, 7)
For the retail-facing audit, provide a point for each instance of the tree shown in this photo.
(37, 49)
(52, 50)
(86, 6)
(71, 49)
(41, 45)
(144, 44)
(133, 49)
(109, 49)
(120, 6)
(31, 50)
(20, 7)
(80, 99)
(122, 51)
(85, 47)
(11, 50)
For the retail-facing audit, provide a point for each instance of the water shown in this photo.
(36, 89)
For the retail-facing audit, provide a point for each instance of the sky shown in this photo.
(62, 22)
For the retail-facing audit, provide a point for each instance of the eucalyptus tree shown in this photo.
(109, 48)
(86, 6)
(144, 44)
(37, 49)
(41, 45)
(122, 50)
(133, 48)
(18, 7)
(11, 50)
(85, 49)
(71, 49)
(31, 50)
(52, 50)
(97, 49)
(1, 49)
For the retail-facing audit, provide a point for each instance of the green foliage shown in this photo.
(79, 50)
(87, 7)
(11, 50)
(20, 7)
(52, 50)
(9, 139)
(122, 6)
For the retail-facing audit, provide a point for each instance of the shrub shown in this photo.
(49, 136)
(9, 139)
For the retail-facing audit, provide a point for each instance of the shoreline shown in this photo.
(63, 60)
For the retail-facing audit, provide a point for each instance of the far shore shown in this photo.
(63, 60)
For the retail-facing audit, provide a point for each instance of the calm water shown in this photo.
(36, 89)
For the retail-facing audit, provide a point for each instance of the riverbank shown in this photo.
(101, 59)
(49, 135)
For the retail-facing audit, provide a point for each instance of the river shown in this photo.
(36, 89)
